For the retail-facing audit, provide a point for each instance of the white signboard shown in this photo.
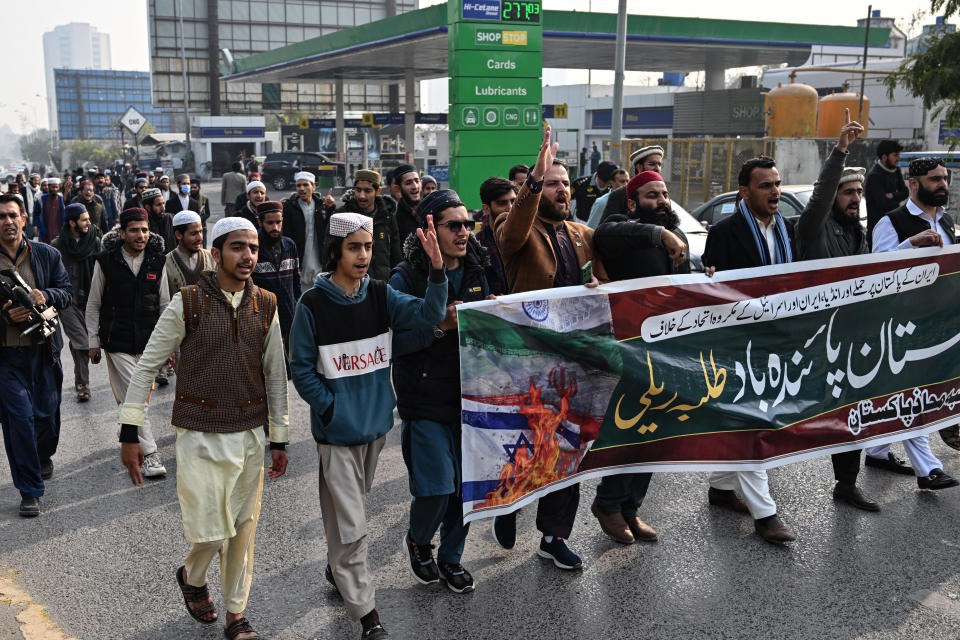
(133, 120)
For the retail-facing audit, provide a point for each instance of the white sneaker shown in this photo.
(152, 467)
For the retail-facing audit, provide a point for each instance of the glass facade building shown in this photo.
(90, 102)
(245, 27)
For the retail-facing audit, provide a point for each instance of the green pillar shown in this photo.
(495, 68)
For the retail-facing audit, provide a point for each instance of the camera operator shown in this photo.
(30, 369)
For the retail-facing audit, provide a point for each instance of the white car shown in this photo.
(696, 237)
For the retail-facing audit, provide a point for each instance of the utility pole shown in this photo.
(863, 76)
(186, 96)
(619, 61)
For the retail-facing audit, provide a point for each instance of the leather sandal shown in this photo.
(193, 595)
(83, 393)
(238, 626)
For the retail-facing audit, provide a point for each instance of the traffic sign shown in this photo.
(133, 120)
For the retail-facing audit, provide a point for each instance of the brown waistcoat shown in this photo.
(220, 387)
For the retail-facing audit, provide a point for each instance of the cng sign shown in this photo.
(492, 37)
(133, 120)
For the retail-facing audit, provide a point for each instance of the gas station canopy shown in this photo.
(383, 51)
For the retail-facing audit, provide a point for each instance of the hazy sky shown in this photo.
(126, 22)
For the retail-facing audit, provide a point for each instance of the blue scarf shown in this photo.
(781, 243)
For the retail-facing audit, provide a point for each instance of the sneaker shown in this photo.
(422, 565)
(170, 372)
(560, 554)
(161, 379)
(374, 632)
(152, 466)
(505, 530)
(328, 574)
(457, 578)
(30, 507)
(46, 469)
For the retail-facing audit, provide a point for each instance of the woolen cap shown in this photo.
(270, 206)
(853, 173)
(640, 154)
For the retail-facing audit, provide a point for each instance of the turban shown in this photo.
(428, 178)
(641, 179)
(923, 166)
(185, 217)
(399, 172)
(435, 203)
(640, 154)
(853, 173)
(343, 224)
(133, 214)
(367, 175)
(53, 181)
(34, 175)
(253, 185)
(228, 225)
(270, 206)
(304, 175)
(74, 211)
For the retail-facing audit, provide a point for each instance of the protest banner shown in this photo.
(750, 369)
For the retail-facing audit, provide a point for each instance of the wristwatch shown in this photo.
(438, 332)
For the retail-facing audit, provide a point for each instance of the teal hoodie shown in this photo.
(356, 409)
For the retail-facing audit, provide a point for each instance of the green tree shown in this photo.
(35, 146)
(84, 151)
(934, 74)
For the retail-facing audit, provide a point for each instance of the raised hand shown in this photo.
(328, 200)
(850, 132)
(428, 239)
(545, 158)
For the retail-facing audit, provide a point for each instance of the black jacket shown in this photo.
(174, 206)
(427, 382)
(627, 248)
(162, 225)
(295, 226)
(406, 219)
(878, 184)
(730, 244)
(819, 233)
(387, 245)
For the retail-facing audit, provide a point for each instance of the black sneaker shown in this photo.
(30, 507)
(561, 555)
(422, 565)
(161, 379)
(374, 632)
(505, 530)
(46, 469)
(457, 578)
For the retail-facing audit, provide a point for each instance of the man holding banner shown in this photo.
(922, 222)
(754, 236)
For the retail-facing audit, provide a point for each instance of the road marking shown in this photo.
(937, 602)
(35, 624)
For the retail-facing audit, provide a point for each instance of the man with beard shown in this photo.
(188, 261)
(829, 227)
(542, 249)
(218, 414)
(278, 267)
(922, 222)
(93, 203)
(754, 236)
(305, 222)
(643, 159)
(635, 246)
(884, 188)
(163, 183)
(48, 212)
(128, 293)
(78, 244)
(387, 241)
(426, 376)
(135, 195)
(183, 199)
(405, 188)
(110, 196)
(31, 193)
(31, 374)
(160, 222)
(256, 195)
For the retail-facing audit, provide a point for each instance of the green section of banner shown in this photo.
(771, 375)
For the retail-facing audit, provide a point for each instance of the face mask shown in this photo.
(184, 189)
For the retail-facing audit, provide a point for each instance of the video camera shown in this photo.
(42, 317)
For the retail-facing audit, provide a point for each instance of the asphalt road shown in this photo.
(101, 558)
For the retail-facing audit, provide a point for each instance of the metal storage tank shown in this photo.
(791, 111)
(832, 117)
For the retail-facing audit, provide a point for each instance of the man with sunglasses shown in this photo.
(426, 376)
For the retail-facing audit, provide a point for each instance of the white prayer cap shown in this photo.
(228, 225)
(44, 180)
(185, 217)
(343, 224)
(853, 173)
(305, 175)
(53, 180)
(106, 172)
(255, 184)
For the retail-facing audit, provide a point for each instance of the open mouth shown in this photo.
(460, 244)
(360, 267)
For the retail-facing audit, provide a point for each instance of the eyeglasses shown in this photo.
(456, 225)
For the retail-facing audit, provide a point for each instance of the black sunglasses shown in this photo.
(456, 225)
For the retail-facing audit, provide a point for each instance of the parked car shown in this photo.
(696, 237)
(278, 169)
(793, 198)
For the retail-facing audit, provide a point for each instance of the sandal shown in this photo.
(83, 393)
(238, 626)
(193, 595)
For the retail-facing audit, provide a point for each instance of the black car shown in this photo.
(278, 169)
